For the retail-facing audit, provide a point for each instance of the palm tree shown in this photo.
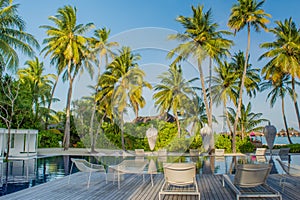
(39, 84)
(173, 92)
(13, 36)
(227, 82)
(279, 88)
(195, 114)
(124, 75)
(252, 78)
(136, 98)
(68, 48)
(200, 40)
(284, 53)
(246, 13)
(51, 98)
(225, 87)
(248, 120)
(100, 46)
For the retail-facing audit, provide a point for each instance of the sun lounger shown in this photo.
(180, 179)
(250, 180)
(289, 169)
(85, 166)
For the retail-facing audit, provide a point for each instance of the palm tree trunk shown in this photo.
(122, 131)
(204, 94)
(91, 127)
(93, 141)
(243, 131)
(285, 121)
(136, 111)
(178, 125)
(227, 118)
(241, 93)
(295, 101)
(66, 141)
(36, 107)
(209, 87)
(50, 103)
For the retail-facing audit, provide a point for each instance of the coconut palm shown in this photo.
(200, 40)
(38, 83)
(252, 78)
(248, 120)
(124, 75)
(67, 47)
(279, 88)
(101, 47)
(194, 114)
(173, 92)
(225, 87)
(13, 36)
(136, 98)
(284, 53)
(51, 98)
(246, 13)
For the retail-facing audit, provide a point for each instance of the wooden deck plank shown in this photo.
(133, 187)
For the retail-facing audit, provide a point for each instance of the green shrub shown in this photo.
(181, 144)
(223, 141)
(294, 148)
(244, 146)
(196, 142)
(50, 138)
(167, 132)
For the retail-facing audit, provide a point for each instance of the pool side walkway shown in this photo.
(133, 187)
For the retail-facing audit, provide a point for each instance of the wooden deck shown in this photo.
(133, 187)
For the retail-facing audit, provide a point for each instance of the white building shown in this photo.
(23, 143)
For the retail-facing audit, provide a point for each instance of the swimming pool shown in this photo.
(21, 174)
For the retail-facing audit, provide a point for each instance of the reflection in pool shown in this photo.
(20, 174)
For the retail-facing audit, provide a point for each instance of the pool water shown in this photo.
(21, 174)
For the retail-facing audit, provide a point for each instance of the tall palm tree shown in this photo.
(225, 87)
(248, 120)
(13, 36)
(173, 92)
(279, 88)
(200, 40)
(246, 13)
(51, 98)
(67, 46)
(39, 84)
(227, 82)
(284, 53)
(101, 46)
(123, 76)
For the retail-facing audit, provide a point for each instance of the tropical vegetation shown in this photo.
(184, 104)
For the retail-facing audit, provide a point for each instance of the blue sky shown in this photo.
(144, 26)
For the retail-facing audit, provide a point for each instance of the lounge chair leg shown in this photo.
(223, 181)
(70, 172)
(118, 180)
(88, 185)
(151, 177)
